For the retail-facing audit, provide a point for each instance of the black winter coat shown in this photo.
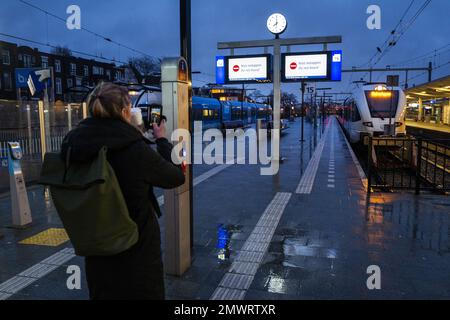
(138, 272)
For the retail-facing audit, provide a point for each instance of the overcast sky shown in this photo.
(152, 26)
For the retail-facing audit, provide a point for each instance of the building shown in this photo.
(69, 71)
(430, 102)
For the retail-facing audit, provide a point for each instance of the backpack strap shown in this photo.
(67, 163)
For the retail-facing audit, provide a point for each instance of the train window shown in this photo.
(346, 111)
(236, 113)
(356, 116)
(382, 104)
(197, 112)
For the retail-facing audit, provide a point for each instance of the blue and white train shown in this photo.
(374, 110)
(212, 112)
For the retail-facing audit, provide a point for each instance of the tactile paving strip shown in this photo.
(239, 278)
(33, 274)
(52, 237)
(307, 181)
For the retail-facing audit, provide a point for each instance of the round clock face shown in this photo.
(277, 23)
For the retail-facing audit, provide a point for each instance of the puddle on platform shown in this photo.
(306, 253)
(276, 284)
(297, 247)
(425, 226)
(279, 276)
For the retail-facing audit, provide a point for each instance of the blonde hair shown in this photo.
(108, 100)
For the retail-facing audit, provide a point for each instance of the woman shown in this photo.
(138, 272)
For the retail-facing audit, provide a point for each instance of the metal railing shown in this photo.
(32, 147)
(38, 129)
(408, 164)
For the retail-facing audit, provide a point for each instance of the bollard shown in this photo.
(85, 111)
(69, 116)
(21, 213)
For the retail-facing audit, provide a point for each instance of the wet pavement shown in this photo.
(320, 249)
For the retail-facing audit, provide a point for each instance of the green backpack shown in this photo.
(90, 203)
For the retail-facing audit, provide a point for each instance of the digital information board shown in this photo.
(244, 69)
(312, 66)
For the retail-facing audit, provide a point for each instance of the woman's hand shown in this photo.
(160, 131)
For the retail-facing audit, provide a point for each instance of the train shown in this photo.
(373, 110)
(213, 113)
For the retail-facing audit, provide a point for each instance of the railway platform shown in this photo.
(309, 233)
(429, 126)
(428, 130)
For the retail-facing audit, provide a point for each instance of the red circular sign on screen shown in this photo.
(236, 68)
(293, 66)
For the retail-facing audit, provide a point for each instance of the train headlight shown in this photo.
(368, 124)
(380, 88)
(398, 124)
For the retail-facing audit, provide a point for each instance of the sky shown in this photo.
(152, 27)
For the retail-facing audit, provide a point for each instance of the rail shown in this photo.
(405, 163)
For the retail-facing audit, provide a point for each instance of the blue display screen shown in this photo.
(220, 70)
(336, 65)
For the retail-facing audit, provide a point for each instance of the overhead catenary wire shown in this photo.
(397, 33)
(57, 47)
(428, 54)
(379, 50)
(423, 73)
(105, 38)
(397, 36)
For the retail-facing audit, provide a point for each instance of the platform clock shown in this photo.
(277, 24)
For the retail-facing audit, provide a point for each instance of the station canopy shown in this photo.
(434, 90)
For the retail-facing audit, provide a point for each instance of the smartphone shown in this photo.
(151, 114)
(156, 115)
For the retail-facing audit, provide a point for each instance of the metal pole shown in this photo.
(277, 101)
(302, 136)
(42, 129)
(186, 52)
(369, 166)
(47, 114)
(29, 124)
(323, 111)
(430, 70)
(315, 114)
(419, 165)
(406, 82)
(242, 103)
(390, 114)
(69, 116)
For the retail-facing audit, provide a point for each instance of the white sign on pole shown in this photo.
(311, 89)
(31, 85)
(313, 66)
(247, 69)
